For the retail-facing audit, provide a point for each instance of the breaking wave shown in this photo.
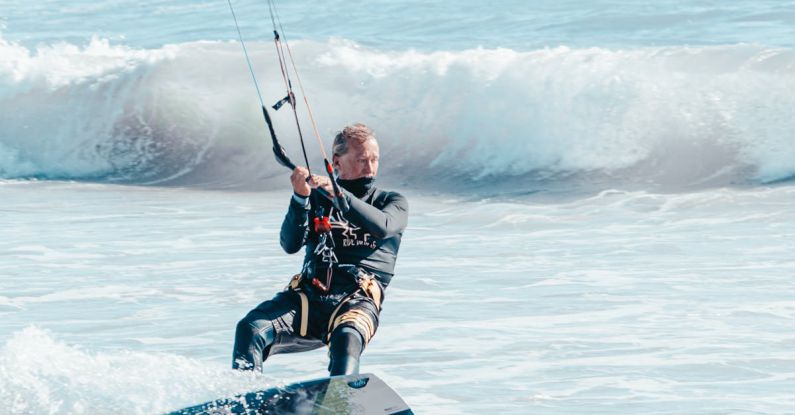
(187, 114)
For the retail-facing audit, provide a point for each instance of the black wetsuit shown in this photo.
(366, 239)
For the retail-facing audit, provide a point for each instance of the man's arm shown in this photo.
(381, 223)
(293, 233)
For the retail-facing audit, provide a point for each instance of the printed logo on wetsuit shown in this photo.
(352, 235)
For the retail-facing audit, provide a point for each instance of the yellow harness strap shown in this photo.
(368, 284)
(331, 325)
(373, 290)
(358, 318)
(295, 285)
(361, 320)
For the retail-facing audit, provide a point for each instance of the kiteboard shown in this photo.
(363, 394)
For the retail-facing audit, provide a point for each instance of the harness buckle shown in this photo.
(324, 287)
(322, 224)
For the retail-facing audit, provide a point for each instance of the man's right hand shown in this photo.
(300, 186)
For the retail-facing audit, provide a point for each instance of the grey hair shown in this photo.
(358, 133)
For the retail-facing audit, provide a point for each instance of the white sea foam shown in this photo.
(621, 302)
(673, 117)
(39, 374)
(624, 300)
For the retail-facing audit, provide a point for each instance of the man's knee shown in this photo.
(253, 339)
(349, 336)
(255, 331)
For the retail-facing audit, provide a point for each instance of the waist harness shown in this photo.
(366, 283)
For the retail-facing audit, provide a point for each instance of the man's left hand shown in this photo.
(321, 181)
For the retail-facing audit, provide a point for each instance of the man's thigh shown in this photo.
(282, 312)
(360, 313)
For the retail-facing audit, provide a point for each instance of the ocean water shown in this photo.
(601, 200)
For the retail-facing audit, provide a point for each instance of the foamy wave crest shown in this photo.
(104, 112)
(188, 113)
(40, 375)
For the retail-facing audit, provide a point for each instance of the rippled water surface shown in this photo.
(124, 298)
(601, 200)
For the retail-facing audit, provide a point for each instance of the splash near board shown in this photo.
(340, 395)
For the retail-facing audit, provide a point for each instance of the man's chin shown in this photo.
(371, 176)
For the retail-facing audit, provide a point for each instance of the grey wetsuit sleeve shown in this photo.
(381, 223)
(293, 233)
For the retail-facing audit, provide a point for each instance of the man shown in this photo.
(349, 260)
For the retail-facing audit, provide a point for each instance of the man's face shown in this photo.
(361, 160)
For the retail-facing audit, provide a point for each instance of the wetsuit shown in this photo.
(333, 302)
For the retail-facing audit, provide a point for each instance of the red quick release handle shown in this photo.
(322, 224)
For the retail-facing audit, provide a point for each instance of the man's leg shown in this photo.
(258, 331)
(353, 328)
(345, 349)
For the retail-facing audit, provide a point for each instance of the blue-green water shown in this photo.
(600, 200)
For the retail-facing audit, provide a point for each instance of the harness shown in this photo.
(324, 251)
(361, 320)
(325, 256)
(367, 284)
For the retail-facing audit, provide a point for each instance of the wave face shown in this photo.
(187, 114)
